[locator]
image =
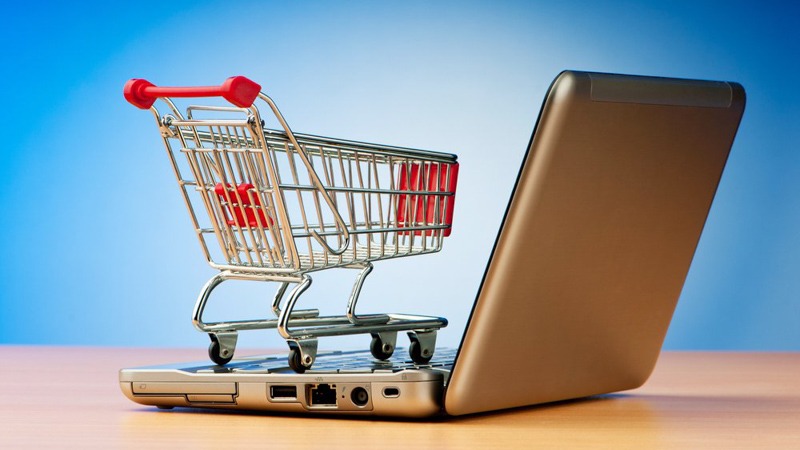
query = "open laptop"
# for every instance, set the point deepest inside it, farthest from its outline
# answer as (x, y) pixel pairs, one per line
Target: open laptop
(581, 285)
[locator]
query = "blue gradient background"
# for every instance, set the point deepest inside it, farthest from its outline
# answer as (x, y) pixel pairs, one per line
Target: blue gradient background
(97, 248)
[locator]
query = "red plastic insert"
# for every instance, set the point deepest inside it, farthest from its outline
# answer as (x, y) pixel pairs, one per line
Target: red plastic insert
(245, 209)
(426, 177)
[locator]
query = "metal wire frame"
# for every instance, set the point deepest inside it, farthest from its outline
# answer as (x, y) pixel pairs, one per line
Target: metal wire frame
(281, 204)
(332, 203)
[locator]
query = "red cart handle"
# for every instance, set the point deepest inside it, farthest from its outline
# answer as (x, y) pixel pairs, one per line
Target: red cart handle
(239, 90)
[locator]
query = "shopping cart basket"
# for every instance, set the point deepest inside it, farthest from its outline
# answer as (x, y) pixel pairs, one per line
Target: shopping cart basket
(279, 205)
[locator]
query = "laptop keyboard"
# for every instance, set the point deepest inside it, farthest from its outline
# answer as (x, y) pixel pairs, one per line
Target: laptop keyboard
(338, 362)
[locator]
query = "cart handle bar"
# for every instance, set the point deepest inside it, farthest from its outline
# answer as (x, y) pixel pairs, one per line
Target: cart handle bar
(240, 91)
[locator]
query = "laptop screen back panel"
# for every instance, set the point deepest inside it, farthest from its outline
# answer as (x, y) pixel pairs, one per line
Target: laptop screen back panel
(597, 241)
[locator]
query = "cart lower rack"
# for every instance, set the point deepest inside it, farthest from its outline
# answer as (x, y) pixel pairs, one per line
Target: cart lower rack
(272, 205)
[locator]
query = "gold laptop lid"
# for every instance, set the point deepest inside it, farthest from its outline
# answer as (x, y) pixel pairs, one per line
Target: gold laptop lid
(597, 239)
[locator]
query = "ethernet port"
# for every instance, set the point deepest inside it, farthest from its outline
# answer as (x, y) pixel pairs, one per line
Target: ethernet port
(321, 394)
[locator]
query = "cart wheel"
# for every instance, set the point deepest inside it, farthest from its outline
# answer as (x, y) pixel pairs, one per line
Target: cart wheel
(213, 353)
(296, 361)
(377, 349)
(415, 351)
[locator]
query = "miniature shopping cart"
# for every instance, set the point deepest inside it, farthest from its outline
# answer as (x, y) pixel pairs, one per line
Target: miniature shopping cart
(273, 205)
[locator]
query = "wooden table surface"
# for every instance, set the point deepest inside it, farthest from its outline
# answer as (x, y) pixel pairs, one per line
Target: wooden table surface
(69, 397)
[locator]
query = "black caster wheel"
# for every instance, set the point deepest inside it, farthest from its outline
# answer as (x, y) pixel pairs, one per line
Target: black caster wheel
(296, 361)
(214, 353)
(415, 351)
(377, 349)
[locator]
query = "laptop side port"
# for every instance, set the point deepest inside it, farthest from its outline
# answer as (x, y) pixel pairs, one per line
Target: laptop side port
(391, 392)
(321, 395)
(359, 396)
(279, 392)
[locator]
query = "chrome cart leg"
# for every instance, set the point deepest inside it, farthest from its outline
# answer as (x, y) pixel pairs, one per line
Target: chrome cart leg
(202, 299)
(302, 353)
(276, 300)
(351, 303)
(383, 344)
(223, 344)
(224, 334)
(286, 313)
(298, 314)
(302, 349)
(422, 346)
(366, 319)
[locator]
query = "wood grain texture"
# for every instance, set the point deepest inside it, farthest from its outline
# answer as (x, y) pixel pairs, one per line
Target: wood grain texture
(68, 397)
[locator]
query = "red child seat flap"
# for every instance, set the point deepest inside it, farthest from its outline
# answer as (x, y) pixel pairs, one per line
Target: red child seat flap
(423, 207)
(235, 212)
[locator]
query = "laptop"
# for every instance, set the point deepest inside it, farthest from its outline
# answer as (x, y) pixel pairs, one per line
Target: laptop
(581, 284)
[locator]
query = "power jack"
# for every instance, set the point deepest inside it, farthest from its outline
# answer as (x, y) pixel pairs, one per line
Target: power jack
(359, 396)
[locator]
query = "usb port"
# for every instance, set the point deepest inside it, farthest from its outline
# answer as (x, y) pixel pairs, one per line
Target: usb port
(283, 392)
